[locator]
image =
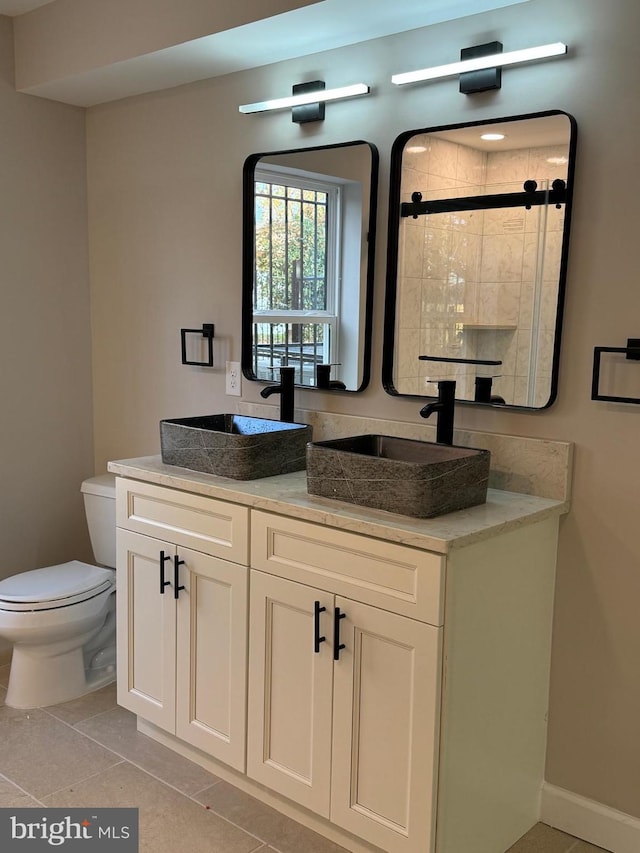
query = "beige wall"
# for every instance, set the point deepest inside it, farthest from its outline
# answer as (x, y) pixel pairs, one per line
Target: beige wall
(46, 446)
(164, 173)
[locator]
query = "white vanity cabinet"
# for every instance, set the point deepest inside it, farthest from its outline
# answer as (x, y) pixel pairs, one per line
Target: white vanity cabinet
(182, 619)
(344, 696)
(353, 739)
(382, 680)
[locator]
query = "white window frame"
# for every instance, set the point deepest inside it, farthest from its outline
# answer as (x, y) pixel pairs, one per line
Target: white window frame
(288, 176)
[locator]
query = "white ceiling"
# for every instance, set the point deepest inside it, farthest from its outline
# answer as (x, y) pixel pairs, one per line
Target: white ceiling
(321, 26)
(529, 133)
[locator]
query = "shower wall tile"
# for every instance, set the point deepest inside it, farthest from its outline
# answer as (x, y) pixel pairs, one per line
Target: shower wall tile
(548, 163)
(432, 340)
(502, 256)
(499, 303)
(413, 180)
(411, 249)
(409, 303)
(549, 306)
(470, 166)
(443, 158)
(465, 252)
(523, 353)
(504, 221)
(505, 166)
(552, 256)
(529, 258)
(407, 353)
(436, 253)
(525, 313)
(441, 187)
(545, 351)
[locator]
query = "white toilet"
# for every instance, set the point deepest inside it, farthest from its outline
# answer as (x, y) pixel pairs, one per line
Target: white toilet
(61, 619)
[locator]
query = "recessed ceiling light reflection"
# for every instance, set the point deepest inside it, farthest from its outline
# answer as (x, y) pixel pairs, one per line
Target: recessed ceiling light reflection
(415, 149)
(492, 137)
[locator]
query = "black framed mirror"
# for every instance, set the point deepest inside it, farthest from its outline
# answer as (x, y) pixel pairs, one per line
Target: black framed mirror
(309, 227)
(476, 268)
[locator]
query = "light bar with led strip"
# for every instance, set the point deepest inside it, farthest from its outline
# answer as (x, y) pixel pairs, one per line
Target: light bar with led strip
(496, 60)
(307, 98)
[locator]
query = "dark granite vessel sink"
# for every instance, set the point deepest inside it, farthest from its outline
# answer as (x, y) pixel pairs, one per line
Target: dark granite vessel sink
(236, 446)
(416, 478)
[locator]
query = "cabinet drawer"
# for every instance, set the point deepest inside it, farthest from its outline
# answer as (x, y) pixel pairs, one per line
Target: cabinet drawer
(394, 577)
(194, 521)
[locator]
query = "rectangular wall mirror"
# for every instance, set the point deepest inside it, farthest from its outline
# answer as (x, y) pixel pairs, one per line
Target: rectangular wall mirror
(478, 244)
(308, 252)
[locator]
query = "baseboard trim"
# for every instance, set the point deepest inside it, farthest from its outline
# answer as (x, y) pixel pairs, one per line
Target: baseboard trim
(587, 819)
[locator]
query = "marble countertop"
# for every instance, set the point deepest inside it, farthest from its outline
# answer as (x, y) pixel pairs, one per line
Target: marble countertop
(286, 494)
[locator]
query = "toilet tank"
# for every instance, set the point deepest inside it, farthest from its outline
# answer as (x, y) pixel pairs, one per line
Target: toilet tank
(100, 507)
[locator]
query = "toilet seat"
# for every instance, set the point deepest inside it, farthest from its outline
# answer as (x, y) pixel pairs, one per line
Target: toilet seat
(54, 587)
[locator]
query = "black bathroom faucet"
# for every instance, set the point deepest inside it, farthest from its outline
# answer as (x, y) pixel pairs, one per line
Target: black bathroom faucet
(285, 389)
(445, 408)
(483, 391)
(324, 381)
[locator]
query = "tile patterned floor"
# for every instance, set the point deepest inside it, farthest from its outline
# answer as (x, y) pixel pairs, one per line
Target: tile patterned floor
(88, 752)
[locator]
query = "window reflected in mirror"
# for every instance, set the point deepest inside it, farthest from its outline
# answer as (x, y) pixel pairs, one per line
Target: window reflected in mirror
(297, 237)
(309, 230)
(477, 261)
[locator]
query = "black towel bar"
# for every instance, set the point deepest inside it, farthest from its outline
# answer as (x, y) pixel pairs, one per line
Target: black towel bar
(632, 353)
(207, 332)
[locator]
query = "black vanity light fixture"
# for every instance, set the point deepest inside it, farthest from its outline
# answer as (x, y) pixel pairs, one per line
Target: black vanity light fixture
(307, 100)
(480, 67)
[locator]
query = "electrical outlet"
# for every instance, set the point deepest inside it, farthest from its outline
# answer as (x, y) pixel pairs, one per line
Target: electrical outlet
(233, 380)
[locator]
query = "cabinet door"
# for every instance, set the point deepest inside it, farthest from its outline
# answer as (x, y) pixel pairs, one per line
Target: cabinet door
(290, 690)
(212, 656)
(146, 629)
(385, 728)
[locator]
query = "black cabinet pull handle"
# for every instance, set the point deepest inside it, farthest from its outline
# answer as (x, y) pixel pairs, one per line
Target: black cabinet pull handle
(177, 562)
(317, 639)
(337, 645)
(163, 582)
